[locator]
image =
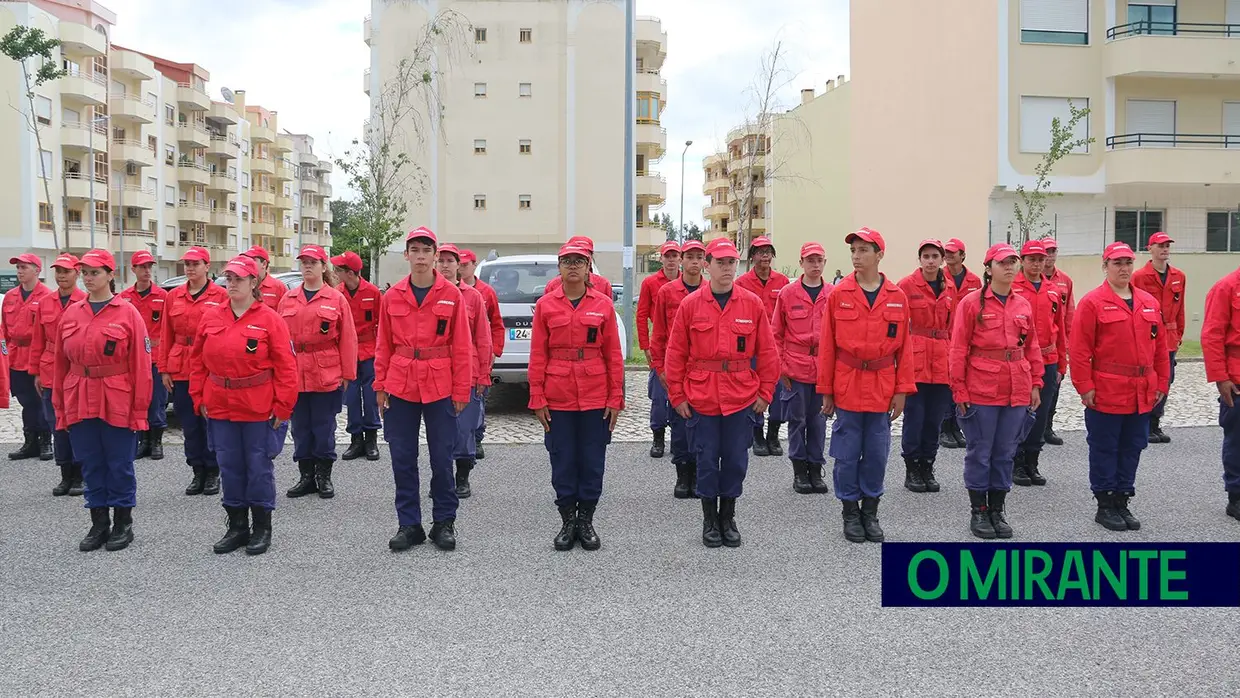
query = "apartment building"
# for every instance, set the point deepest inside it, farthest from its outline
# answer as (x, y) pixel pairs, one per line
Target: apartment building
(530, 147)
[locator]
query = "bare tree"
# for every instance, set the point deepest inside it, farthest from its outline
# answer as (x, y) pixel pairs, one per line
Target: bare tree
(1029, 213)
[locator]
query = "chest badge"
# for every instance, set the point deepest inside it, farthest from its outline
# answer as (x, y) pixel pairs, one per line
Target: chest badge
(251, 345)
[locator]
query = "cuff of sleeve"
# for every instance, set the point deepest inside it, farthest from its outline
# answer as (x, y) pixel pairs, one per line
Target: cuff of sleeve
(462, 397)
(960, 397)
(907, 388)
(1084, 386)
(537, 402)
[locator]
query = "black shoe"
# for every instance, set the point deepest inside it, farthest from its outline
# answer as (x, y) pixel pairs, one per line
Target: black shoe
(157, 443)
(1120, 502)
(772, 440)
(406, 537)
(306, 484)
(854, 532)
(912, 475)
(815, 479)
(692, 466)
(980, 523)
(122, 529)
(800, 478)
(211, 480)
(1233, 505)
(479, 454)
(356, 449)
(1107, 515)
(958, 435)
(997, 502)
(260, 536)
(45, 445)
(76, 486)
(585, 526)
(463, 466)
(195, 485)
(1031, 467)
(660, 440)
(869, 520)
(238, 531)
(759, 443)
(727, 522)
(567, 536)
(947, 439)
(144, 445)
(370, 440)
(443, 534)
(1020, 476)
(29, 447)
(1051, 437)
(712, 537)
(323, 479)
(1156, 433)
(927, 475)
(66, 477)
(684, 475)
(99, 528)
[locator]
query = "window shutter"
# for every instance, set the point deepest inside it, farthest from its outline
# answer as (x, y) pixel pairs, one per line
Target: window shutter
(1231, 123)
(1150, 117)
(1054, 15)
(1233, 11)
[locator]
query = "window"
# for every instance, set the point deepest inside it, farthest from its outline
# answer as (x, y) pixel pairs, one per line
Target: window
(245, 147)
(152, 143)
(170, 155)
(170, 232)
(1152, 17)
(523, 202)
(1231, 117)
(480, 147)
(480, 89)
(480, 35)
(1036, 114)
(170, 115)
(524, 89)
(647, 108)
(245, 213)
(245, 180)
(170, 196)
(48, 164)
(480, 202)
(524, 147)
(45, 216)
(152, 98)
(1134, 228)
(1054, 21)
(1223, 231)
(43, 110)
(527, 36)
(152, 185)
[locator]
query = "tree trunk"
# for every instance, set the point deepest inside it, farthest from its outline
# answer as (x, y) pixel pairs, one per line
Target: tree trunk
(38, 139)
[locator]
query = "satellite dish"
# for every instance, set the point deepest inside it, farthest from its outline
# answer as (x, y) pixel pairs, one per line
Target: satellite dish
(227, 93)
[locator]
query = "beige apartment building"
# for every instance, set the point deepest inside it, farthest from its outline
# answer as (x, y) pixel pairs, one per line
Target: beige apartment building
(735, 182)
(530, 147)
(140, 157)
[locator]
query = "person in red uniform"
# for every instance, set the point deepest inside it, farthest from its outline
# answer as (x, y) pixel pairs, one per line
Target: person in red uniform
(666, 303)
(669, 254)
(43, 366)
(930, 301)
(715, 384)
(464, 452)
(995, 369)
(469, 277)
(865, 371)
(576, 392)
(363, 299)
(423, 371)
(1061, 280)
(270, 288)
(596, 280)
(325, 342)
(766, 283)
(1167, 285)
(244, 381)
(185, 306)
(1050, 315)
(963, 282)
(102, 389)
(797, 324)
(21, 305)
(150, 300)
(1220, 346)
(1121, 368)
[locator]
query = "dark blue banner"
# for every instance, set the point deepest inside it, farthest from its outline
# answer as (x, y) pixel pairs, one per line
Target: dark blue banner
(1061, 574)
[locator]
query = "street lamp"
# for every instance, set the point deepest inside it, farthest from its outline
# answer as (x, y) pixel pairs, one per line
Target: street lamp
(680, 234)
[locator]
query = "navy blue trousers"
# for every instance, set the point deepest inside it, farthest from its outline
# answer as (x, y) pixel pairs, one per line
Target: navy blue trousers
(682, 446)
(577, 445)
(466, 446)
(992, 433)
(807, 425)
(107, 454)
(1115, 445)
(481, 430)
(1162, 404)
(62, 448)
(1229, 419)
(22, 385)
(923, 416)
(246, 452)
(1036, 439)
(360, 399)
(860, 444)
(157, 415)
(198, 451)
(721, 444)
(660, 408)
(314, 425)
(402, 423)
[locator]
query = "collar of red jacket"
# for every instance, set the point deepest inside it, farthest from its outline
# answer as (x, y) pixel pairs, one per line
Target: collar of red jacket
(406, 286)
(849, 284)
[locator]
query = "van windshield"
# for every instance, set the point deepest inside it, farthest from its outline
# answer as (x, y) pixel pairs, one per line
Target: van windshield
(519, 282)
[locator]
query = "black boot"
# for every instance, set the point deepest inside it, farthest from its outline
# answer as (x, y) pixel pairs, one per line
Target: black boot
(1051, 437)
(927, 475)
(1107, 514)
(443, 534)
(815, 479)
(947, 439)
(122, 529)
(1156, 433)
(238, 531)
(957, 434)
(980, 523)
(912, 475)
(772, 439)
(712, 537)
(211, 480)
(76, 487)
(800, 478)
(406, 537)
(1031, 467)
(854, 532)
(195, 485)
(727, 522)
(1120, 502)
(759, 443)
(45, 445)
(463, 466)
(323, 479)
(99, 528)
(693, 479)
(157, 443)
(869, 520)
(260, 536)
(682, 489)
(356, 449)
(998, 499)
(306, 484)
(660, 439)
(479, 454)
(144, 445)
(371, 440)
(1020, 476)
(29, 447)
(66, 477)
(567, 536)
(585, 526)
(1233, 505)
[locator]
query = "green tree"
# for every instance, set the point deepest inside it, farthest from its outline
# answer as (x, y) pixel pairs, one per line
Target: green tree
(344, 235)
(1029, 213)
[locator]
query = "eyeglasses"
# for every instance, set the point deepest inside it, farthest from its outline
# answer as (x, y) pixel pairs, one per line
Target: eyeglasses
(575, 262)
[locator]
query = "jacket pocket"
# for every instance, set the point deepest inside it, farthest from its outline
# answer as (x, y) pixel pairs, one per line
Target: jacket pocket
(985, 378)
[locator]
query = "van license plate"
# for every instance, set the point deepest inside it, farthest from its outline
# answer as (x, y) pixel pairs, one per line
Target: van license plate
(519, 333)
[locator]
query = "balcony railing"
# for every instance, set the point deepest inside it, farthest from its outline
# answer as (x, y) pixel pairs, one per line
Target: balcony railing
(97, 78)
(1172, 140)
(1149, 28)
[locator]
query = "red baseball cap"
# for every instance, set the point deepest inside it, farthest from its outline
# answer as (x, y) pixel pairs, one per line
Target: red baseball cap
(761, 241)
(669, 246)
(1032, 247)
(196, 253)
(313, 252)
(141, 257)
(348, 260)
(98, 258)
(1049, 243)
(868, 236)
(1118, 250)
(582, 241)
(242, 265)
(468, 256)
(1159, 238)
(66, 261)
(27, 258)
(954, 245)
(257, 252)
(722, 248)
(999, 251)
(569, 248)
(451, 249)
(810, 248)
(932, 242)
(422, 233)
(692, 245)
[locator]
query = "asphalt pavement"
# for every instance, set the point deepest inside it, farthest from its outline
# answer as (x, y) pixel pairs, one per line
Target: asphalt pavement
(794, 611)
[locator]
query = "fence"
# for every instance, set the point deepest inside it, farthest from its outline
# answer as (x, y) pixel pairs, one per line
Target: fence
(1087, 229)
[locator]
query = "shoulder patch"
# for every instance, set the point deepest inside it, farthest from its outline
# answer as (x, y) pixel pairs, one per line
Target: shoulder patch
(4, 347)
(148, 344)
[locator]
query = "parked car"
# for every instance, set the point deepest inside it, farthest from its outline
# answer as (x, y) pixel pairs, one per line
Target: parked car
(288, 278)
(519, 282)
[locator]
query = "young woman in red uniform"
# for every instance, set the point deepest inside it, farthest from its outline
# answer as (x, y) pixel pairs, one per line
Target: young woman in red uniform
(1220, 347)
(1121, 368)
(185, 306)
(359, 398)
(669, 254)
(995, 367)
(963, 283)
(43, 367)
(469, 265)
(102, 390)
(244, 380)
(766, 283)
(1050, 311)
(596, 281)
(1167, 285)
(1063, 282)
(18, 319)
(325, 342)
(150, 300)
(576, 392)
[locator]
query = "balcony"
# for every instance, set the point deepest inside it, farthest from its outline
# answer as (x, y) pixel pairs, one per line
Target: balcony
(284, 203)
(127, 150)
(281, 261)
(366, 81)
(284, 171)
(367, 31)
(266, 228)
(1145, 158)
(716, 211)
(651, 234)
(132, 239)
(325, 189)
(325, 166)
(651, 139)
(133, 195)
(1173, 49)
(261, 164)
(80, 186)
(311, 213)
(649, 30)
(285, 232)
(84, 87)
(265, 197)
(651, 189)
(224, 146)
(193, 212)
(191, 98)
(132, 65)
(224, 113)
(749, 161)
(223, 218)
(650, 81)
(81, 39)
(132, 107)
(80, 237)
(310, 185)
(79, 136)
(283, 144)
(193, 135)
(325, 213)
(223, 182)
(757, 225)
(261, 134)
(307, 159)
(193, 173)
(710, 186)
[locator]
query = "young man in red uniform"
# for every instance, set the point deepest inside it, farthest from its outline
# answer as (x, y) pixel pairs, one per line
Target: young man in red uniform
(363, 298)
(766, 283)
(865, 371)
(1167, 285)
(150, 300)
(423, 371)
(722, 367)
(669, 253)
(1220, 345)
(1061, 280)
(469, 268)
(21, 305)
(1050, 312)
(43, 364)
(963, 282)
(270, 288)
(796, 325)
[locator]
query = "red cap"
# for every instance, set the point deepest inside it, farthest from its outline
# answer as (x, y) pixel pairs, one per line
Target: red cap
(1032, 247)
(141, 257)
(761, 241)
(810, 248)
(669, 246)
(66, 261)
(27, 258)
(692, 245)
(999, 251)
(1117, 250)
(868, 236)
(722, 248)
(570, 248)
(242, 265)
(449, 247)
(582, 241)
(932, 243)
(313, 252)
(348, 260)
(98, 258)
(1049, 243)
(468, 256)
(257, 252)
(954, 245)
(422, 232)
(1159, 238)
(196, 253)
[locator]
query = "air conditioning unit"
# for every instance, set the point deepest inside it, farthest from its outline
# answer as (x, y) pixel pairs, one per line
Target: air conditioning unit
(133, 212)
(131, 169)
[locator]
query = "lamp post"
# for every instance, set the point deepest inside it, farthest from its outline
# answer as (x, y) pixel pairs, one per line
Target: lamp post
(680, 234)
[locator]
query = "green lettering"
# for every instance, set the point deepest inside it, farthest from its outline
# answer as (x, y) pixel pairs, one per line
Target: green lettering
(1037, 576)
(1167, 575)
(1015, 566)
(1102, 568)
(1143, 558)
(1072, 576)
(944, 575)
(970, 577)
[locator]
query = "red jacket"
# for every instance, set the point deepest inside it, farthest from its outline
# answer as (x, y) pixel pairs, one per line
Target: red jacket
(243, 369)
(1049, 318)
(768, 292)
(710, 349)
(797, 325)
(854, 332)
(930, 323)
(666, 303)
(1170, 297)
(151, 307)
(423, 351)
(972, 282)
(272, 291)
(102, 366)
(181, 326)
(597, 281)
(496, 320)
(364, 306)
(4, 370)
(42, 353)
(18, 317)
(651, 285)
(575, 359)
(1220, 330)
(994, 356)
(323, 338)
(1064, 283)
(1120, 353)
(480, 334)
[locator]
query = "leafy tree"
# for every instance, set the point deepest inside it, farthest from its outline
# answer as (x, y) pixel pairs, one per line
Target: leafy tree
(1029, 213)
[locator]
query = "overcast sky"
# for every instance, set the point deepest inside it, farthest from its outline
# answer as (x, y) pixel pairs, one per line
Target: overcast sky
(305, 58)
